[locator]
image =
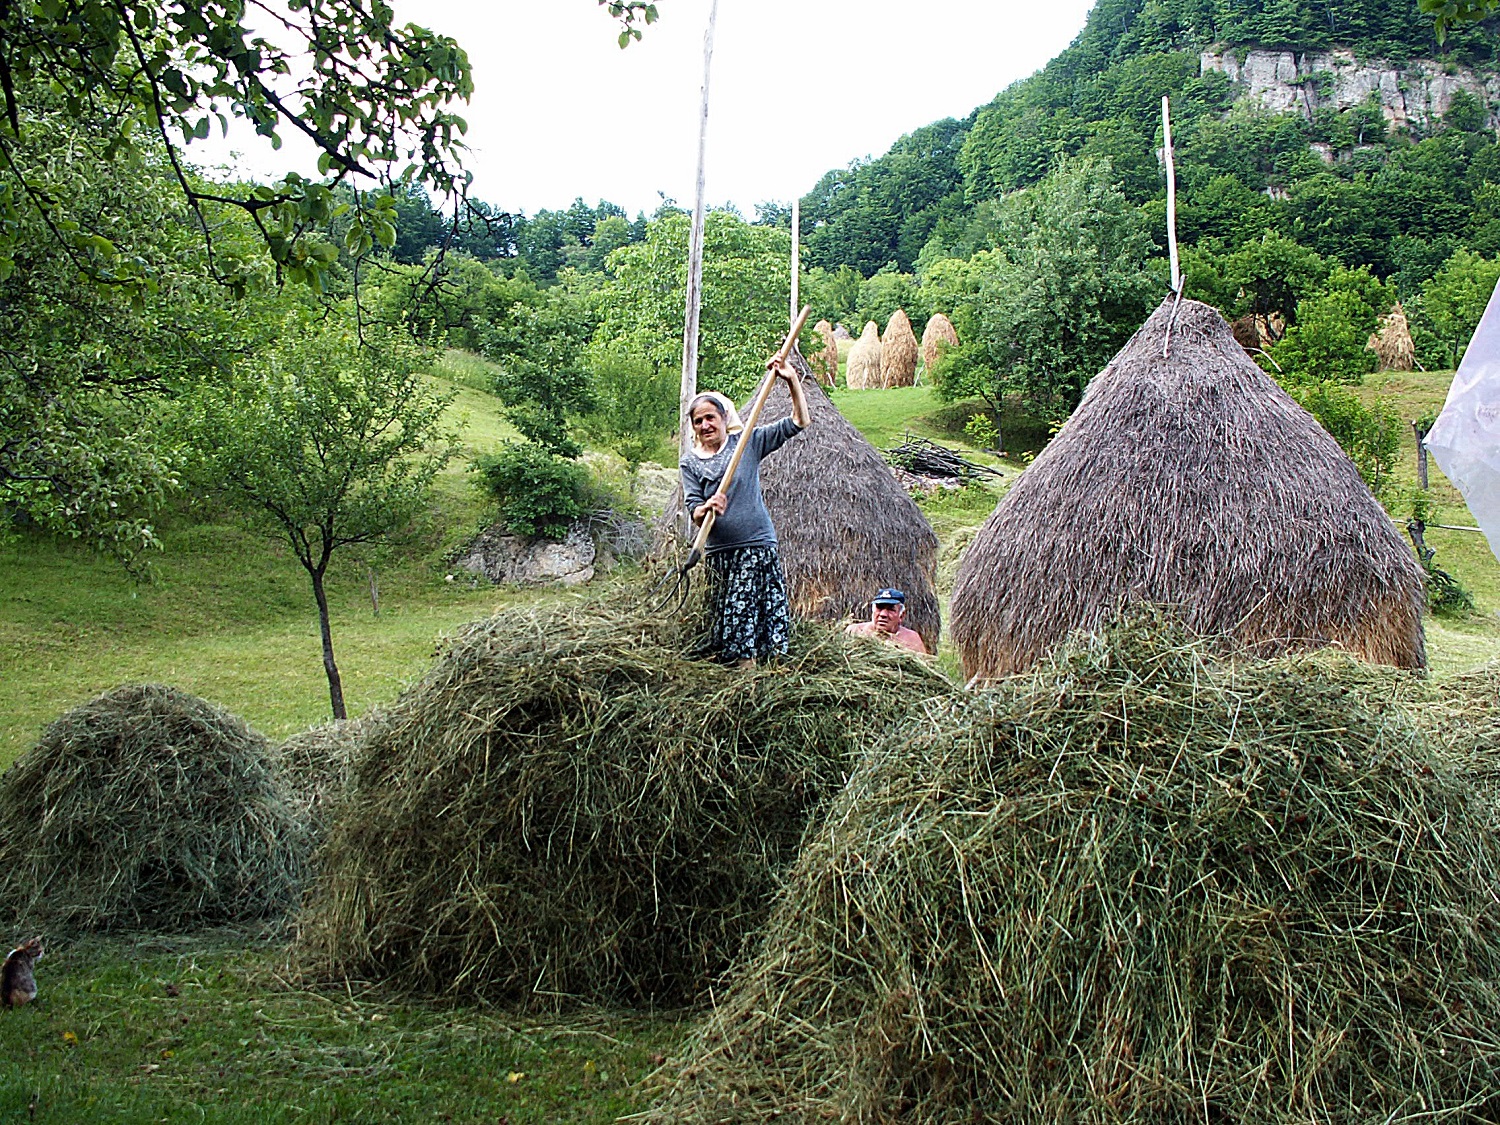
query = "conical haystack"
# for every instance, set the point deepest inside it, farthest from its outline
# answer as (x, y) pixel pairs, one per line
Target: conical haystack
(898, 352)
(1191, 480)
(862, 371)
(148, 808)
(825, 361)
(846, 526)
(567, 808)
(1393, 345)
(939, 331)
(1132, 888)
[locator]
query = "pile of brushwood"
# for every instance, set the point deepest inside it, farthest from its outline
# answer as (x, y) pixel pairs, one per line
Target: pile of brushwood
(567, 808)
(147, 808)
(1135, 885)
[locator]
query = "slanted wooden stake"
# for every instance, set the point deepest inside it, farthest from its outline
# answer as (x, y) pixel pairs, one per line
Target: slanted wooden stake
(695, 255)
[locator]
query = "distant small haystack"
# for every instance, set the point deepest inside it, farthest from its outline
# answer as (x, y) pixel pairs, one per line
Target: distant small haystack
(939, 332)
(1194, 481)
(862, 372)
(1255, 332)
(846, 526)
(825, 361)
(568, 809)
(898, 352)
(147, 807)
(1392, 345)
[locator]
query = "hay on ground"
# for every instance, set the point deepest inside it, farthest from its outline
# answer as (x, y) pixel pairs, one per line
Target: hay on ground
(825, 361)
(315, 766)
(845, 524)
(1194, 481)
(898, 352)
(147, 807)
(1131, 887)
(1392, 344)
(567, 809)
(938, 335)
(862, 371)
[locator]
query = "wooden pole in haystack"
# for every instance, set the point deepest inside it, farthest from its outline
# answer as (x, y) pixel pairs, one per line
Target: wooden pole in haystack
(1166, 130)
(695, 253)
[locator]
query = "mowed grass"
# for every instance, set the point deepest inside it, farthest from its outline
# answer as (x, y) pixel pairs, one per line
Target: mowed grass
(208, 1028)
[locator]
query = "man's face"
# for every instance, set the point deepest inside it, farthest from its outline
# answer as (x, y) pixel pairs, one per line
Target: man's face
(887, 616)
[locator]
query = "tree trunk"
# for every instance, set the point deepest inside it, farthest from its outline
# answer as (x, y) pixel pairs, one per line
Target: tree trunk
(1421, 455)
(335, 686)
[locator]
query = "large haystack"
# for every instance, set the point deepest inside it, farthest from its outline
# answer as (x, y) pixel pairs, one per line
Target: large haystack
(147, 807)
(862, 371)
(938, 334)
(1134, 887)
(1191, 480)
(845, 524)
(567, 808)
(898, 352)
(825, 361)
(1393, 345)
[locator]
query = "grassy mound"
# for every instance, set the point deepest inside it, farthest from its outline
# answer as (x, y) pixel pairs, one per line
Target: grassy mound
(1133, 886)
(147, 807)
(565, 808)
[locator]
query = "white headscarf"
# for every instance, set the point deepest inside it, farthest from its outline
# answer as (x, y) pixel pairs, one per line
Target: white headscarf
(732, 423)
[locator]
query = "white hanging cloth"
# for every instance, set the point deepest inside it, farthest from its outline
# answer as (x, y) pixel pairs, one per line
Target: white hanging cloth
(1465, 440)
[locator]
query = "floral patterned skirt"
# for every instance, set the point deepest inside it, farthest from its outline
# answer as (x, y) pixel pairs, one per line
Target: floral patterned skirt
(748, 613)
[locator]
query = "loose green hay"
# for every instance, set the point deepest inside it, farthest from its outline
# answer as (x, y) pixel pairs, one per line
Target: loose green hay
(315, 767)
(1131, 886)
(147, 808)
(566, 808)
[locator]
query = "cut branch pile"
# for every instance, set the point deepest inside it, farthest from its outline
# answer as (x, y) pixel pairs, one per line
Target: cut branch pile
(929, 459)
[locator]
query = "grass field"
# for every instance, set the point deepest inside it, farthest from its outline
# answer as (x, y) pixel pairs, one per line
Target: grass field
(212, 1027)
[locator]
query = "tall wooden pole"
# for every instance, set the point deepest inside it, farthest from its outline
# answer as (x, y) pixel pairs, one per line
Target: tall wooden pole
(695, 254)
(796, 255)
(1166, 130)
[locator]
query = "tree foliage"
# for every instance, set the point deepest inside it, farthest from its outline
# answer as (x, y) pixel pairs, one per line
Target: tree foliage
(329, 441)
(744, 312)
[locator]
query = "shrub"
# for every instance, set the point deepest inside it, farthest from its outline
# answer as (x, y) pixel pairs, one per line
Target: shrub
(1371, 436)
(539, 493)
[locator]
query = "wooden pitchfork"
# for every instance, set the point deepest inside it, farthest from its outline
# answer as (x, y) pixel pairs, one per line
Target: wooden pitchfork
(682, 581)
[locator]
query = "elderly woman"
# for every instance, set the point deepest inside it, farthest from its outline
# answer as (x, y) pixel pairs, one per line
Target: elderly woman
(749, 616)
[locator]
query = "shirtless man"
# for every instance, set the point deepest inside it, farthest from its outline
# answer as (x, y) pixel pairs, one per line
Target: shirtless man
(887, 614)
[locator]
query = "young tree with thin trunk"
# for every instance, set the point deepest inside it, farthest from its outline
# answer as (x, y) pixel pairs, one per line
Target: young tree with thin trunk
(329, 443)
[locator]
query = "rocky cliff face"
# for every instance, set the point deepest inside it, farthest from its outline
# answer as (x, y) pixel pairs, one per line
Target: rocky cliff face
(1414, 94)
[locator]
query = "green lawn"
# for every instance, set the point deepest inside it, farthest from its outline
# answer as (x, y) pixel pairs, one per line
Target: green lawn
(207, 1028)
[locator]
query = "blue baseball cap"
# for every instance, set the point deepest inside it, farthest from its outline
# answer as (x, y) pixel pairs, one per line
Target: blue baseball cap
(889, 596)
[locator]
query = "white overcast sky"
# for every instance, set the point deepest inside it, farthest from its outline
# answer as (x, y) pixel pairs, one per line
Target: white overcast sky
(798, 87)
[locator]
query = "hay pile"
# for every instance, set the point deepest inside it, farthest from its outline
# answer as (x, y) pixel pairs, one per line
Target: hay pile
(147, 807)
(898, 352)
(862, 372)
(315, 766)
(1393, 345)
(1189, 479)
(938, 334)
(1133, 886)
(565, 808)
(825, 361)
